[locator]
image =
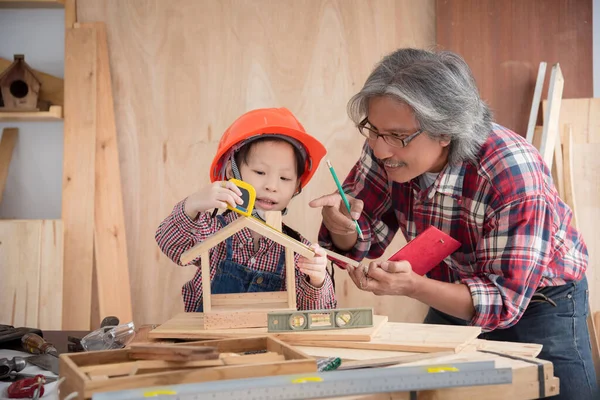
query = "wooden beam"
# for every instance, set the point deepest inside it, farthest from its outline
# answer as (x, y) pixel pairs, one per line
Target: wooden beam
(210, 242)
(52, 89)
(32, 3)
(558, 174)
(31, 264)
(535, 103)
(206, 291)
(274, 220)
(245, 299)
(70, 13)
(278, 237)
(550, 131)
(54, 114)
(342, 258)
(78, 175)
(9, 139)
(290, 278)
(110, 241)
(569, 187)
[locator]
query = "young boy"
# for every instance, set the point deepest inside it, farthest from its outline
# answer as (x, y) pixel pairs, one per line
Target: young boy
(269, 149)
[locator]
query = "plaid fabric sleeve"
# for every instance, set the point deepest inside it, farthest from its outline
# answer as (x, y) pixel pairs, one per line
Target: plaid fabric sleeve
(309, 297)
(368, 182)
(178, 232)
(511, 258)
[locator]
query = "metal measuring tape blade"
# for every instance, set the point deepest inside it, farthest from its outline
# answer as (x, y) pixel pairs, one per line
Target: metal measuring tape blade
(328, 384)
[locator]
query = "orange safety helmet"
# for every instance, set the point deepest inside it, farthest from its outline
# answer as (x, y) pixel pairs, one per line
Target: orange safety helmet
(279, 122)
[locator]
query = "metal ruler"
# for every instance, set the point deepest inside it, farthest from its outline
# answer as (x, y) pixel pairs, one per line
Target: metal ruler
(328, 384)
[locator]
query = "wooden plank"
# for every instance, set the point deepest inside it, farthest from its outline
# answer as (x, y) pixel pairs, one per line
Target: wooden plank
(51, 275)
(210, 242)
(20, 283)
(30, 288)
(509, 348)
(535, 103)
(133, 367)
(110, 240)
(558, 173)
(340, 257)
(583, 117)
(274, 219)
(569, 179)
(78, 175)
(52, 115)
(32, 3)
(248, 298)
(551, 129)
(353, 354)
(260, 358)
(7, 145)
(384, 362)
(52, 88)
(206, 290)
(290, 278)
(278, 237)
(246, 318)
(418, 338)
(70, 13)
(189, 326)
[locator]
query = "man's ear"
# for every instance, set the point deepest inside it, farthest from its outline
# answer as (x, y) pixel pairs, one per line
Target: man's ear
(445, 141)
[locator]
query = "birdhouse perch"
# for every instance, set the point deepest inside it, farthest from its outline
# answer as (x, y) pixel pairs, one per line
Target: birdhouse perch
(19, 87)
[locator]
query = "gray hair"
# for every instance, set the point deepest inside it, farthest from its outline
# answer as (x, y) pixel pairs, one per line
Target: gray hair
(442, 92)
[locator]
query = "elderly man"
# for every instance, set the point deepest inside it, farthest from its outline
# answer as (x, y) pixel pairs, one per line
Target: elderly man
(433, 156)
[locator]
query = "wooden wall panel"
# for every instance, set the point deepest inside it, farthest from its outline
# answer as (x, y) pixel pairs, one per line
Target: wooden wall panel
(583, 116)
(504, 42)
(31, 264)
(183, 70)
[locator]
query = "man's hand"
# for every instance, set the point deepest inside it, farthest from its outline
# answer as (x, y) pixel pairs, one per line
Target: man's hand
(335, 215)
(395, 278)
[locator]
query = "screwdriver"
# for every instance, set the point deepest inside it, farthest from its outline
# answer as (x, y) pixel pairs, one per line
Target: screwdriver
(35, 344)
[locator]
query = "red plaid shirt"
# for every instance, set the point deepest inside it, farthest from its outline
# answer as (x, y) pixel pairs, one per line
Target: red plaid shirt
(515, 231)
(178, 233)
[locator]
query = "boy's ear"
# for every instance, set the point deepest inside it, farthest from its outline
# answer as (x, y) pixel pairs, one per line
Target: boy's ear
(228, 170)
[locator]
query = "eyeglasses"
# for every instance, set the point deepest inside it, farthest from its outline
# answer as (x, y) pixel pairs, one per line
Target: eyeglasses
(393, 140)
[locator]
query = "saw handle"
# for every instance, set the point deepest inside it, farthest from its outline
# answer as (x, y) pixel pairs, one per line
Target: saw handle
(35, 344)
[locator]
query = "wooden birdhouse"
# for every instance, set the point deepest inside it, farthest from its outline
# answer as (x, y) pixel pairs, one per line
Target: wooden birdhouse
(19, 87)
(247, 310)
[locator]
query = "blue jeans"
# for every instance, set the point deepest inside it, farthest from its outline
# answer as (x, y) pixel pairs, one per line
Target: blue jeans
(562, 330)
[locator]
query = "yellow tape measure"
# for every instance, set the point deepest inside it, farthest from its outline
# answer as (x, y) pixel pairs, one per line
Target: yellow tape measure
(248, 196)
(440, 369)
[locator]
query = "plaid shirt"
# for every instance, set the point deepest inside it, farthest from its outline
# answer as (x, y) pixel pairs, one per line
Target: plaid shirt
(515, 232)
(178, 233)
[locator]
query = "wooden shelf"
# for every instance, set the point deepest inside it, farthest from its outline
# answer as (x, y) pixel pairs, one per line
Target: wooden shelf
(54, 114)
(32, 3)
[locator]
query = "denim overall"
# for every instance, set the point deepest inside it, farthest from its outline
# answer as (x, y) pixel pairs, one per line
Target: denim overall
(556, 319)
(232, 277)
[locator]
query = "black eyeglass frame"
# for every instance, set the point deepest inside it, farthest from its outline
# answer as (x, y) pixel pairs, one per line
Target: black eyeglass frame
(389, 138)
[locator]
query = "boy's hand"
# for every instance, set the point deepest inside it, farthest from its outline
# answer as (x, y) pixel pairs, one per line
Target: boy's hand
(314, 268)
(217, 195)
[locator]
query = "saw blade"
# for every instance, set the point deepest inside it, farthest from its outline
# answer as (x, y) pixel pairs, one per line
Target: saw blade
(44, 361)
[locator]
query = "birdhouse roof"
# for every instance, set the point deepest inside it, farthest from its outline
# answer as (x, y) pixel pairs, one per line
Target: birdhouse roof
(19, 62)
(254, 225)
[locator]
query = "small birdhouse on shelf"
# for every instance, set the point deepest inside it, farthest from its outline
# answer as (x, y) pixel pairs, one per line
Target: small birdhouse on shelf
(19, 87)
